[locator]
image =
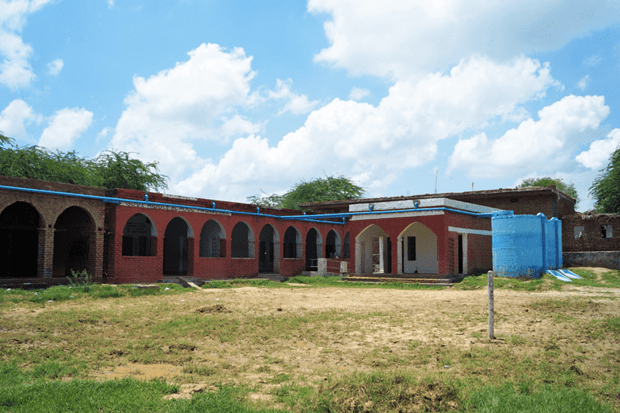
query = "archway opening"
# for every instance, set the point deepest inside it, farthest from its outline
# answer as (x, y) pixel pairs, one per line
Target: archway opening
(19, 241)
(175, 247)
(137, 236)
(314, 249)
(332, 245)
(242, 241)
(72, 242)
(212, 240)
(292, 243)
(418, 250)
(373, 252)
(268, 253)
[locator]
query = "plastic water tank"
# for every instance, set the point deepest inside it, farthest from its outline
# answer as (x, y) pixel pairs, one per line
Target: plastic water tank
(517, 245)
(550, 238)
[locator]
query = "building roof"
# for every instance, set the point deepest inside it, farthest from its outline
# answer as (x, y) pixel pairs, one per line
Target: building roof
(536, 190)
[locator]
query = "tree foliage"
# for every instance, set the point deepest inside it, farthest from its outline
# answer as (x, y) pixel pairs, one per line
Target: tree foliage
(330, 188)
(606, 186)
(109, 170)
(559, 183)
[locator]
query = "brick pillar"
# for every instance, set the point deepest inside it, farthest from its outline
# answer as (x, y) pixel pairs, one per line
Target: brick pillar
(190, 256)
(45, 265)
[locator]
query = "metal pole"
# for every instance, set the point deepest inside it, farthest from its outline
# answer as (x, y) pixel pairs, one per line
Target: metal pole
(491, 306)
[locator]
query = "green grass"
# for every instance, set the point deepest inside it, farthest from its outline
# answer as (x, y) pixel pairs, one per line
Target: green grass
(65, 293)
(506, 399)
(609, 279)
(28, 392)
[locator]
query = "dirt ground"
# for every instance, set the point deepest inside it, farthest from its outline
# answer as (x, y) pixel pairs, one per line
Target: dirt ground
(269, 337)
(391, 322)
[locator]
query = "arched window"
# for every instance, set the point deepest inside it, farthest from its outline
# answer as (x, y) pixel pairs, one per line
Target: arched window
(137, 236)
(242, 241)
(332, 245)
(212, 240)
(346, 249)
(292, 243)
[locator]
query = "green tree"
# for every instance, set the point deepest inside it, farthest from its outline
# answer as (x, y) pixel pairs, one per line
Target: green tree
(606, 187)
(109, 170)
(568, 189)
(330, 188)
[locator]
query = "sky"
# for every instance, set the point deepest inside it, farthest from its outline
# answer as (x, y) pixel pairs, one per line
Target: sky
(239, 98)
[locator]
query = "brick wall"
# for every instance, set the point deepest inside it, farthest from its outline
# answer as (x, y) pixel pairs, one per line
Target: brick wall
(591, 239)
(50, 207)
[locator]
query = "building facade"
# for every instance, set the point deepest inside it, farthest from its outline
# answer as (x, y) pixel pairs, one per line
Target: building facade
(48, 230)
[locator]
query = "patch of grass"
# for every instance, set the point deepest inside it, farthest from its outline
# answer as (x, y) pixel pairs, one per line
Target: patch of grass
(506, 399)
(477, 282)
(27, 392)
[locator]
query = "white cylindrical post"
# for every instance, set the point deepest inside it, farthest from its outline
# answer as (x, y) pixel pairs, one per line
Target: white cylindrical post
(491, 306)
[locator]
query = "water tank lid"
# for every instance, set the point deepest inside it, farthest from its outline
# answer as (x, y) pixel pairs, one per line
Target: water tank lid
(502, 213)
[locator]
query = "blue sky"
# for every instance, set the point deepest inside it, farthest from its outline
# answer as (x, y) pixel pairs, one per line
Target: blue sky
(235, 97)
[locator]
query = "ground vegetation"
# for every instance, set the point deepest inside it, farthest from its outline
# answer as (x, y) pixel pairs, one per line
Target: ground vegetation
(314, 344)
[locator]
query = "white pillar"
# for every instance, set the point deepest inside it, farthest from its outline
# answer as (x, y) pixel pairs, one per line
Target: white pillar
(381, 258)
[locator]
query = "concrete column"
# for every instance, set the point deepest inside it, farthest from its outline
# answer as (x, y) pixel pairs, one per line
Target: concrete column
(322, 265)
(399, 252)
(381, 256)
(359, 257)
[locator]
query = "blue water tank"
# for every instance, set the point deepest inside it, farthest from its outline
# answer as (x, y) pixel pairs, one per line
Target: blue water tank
(550, 238)
(517, 245)
(558, 237)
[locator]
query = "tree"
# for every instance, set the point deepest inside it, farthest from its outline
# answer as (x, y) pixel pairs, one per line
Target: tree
(109, 170)
(568, 189)
(330, 188)
(606, 186)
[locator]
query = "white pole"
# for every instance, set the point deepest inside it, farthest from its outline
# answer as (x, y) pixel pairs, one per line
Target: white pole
(491, 306)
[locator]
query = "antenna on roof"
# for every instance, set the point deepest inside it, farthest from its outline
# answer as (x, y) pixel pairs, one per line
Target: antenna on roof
(472, 187)
(436, 170)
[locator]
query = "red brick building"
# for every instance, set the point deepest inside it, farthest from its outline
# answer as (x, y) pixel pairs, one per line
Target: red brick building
(49, 229)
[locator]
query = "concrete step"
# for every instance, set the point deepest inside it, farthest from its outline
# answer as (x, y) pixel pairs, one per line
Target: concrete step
(447, 282)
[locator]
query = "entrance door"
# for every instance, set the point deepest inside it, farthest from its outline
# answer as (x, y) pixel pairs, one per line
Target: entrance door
(266, 250)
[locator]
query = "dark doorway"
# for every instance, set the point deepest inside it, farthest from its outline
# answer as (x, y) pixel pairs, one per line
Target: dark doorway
(72, 242)
(137, 236)
(175, 247)
(460, 254)
(212, 240)
(312, 250)
(19, 241)
(266, 249)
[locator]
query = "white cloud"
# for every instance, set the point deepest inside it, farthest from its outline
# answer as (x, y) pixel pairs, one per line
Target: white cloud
(14, 118)
(397, 38)
(598, 155)
(538, 144)
(195, 100)
(375, 143)
(592, 61)
(583, 83)
(55, 67)
(110, 4)
(65, 127)
(15, 71)
(296, 104)
(358, 93)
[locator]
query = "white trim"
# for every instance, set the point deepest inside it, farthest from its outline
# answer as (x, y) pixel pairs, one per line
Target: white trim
(395, 215)
(451, 203)
(171, 208)
(470, 231)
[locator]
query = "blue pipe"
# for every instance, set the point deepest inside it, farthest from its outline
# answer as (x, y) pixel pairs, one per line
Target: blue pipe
(147, 202)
